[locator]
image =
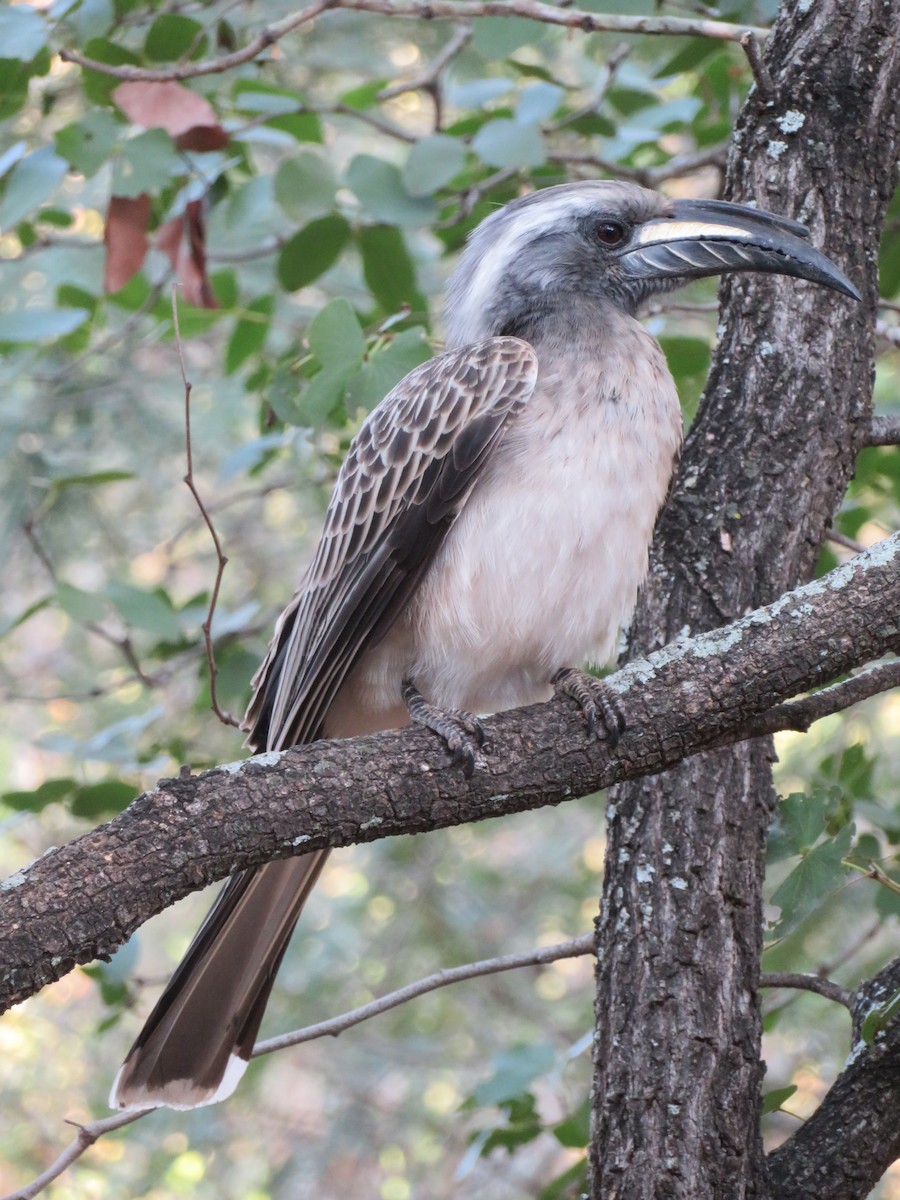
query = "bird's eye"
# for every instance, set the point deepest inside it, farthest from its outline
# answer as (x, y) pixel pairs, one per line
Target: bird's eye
(610, 233)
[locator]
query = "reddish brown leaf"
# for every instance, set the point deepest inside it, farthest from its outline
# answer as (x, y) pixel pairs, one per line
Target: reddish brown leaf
(183, 241)
(202, 137)
(125, 236)
(184, 115)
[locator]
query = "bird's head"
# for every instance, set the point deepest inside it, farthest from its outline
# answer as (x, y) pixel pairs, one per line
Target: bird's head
(605, 242)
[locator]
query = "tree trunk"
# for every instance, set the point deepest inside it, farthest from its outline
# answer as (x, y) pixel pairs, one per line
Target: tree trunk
(677, 1059)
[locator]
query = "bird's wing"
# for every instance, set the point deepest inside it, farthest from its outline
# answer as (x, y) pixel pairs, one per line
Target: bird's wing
(406, 476)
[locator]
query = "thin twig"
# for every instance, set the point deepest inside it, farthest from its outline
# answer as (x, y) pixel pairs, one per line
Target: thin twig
(85, 1138)
(681, 164)
(121, 643)
(885, 431)
(808, 983)
(429, 80)
(489, 966)
(841, 539)
(221, 561)
(428, 10)
(764, 85)
(608, 74)
(88, 1134)
(268, 37)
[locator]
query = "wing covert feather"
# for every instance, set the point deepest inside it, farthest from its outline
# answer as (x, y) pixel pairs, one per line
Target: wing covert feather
(407, 474)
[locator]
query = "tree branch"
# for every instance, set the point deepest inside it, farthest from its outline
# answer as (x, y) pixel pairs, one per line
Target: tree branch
(90, 1133)
(448, 10)
(85, 899)
(885, 431)
(844, 1147)
(808, 983)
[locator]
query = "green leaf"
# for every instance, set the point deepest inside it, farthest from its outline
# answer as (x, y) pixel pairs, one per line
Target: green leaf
(171, 36)
(32, 180)
(386, 366)
(22, 32)
(102, 799)
(686, 356)
(147, 163)
(281, 396)
(80, 605)
(254, 95)
(773, 1100)
(49, 792)
(249, 333)
(311, 251)
(151, 611)
(801, 820)
(433, 162)
(379, 187)
(572, 1182)
(305, 186)
(88, 143)
(498, 37)
(365, 96)
(574, 1131)
(538, 102)
(93, 18)
(36, 324)
(818, 874)
(506, 143)
(335, 336)
(93, 479)
(324, 394)
(388, 268)
(514, 1070)
(690, 55)
(98, 88)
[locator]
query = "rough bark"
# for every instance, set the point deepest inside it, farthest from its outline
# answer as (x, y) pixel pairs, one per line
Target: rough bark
(677, 1062)
(842, 1150)
(86, 898)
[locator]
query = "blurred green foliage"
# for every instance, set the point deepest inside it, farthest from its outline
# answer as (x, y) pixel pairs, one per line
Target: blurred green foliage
(331, 213)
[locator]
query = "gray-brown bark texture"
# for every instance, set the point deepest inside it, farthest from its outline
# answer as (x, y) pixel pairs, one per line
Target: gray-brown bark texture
(85, 899)
(677, 1060)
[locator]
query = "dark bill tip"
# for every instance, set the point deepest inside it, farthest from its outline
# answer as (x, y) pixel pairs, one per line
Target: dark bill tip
(712, 237)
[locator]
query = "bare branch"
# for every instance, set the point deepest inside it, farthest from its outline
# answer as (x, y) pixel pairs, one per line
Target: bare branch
(269, 36)
(808, 983)
(764, 85)
(440, 979)
(85, 899)
(681, 164)
(221, 560)
(800, 714)
(841, 539)
(89, 1134)
(885, 431)
(429, 80)
(450, 10)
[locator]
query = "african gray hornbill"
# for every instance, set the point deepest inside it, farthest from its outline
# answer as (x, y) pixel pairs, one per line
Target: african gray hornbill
(487, 535)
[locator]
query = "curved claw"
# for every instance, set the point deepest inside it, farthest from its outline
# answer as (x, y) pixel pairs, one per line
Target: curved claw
(462, 732)
(599, 703)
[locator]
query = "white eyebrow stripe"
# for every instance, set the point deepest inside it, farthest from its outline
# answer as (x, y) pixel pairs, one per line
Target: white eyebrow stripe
(668, 230)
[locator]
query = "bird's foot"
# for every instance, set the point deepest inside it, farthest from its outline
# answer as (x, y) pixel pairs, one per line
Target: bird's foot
(463, 732)
(597, 701)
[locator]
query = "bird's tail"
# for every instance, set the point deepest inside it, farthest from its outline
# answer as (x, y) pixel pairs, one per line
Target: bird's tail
(196, 1043)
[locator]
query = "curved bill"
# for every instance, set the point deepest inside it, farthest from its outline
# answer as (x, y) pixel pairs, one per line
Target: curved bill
(712, 237)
